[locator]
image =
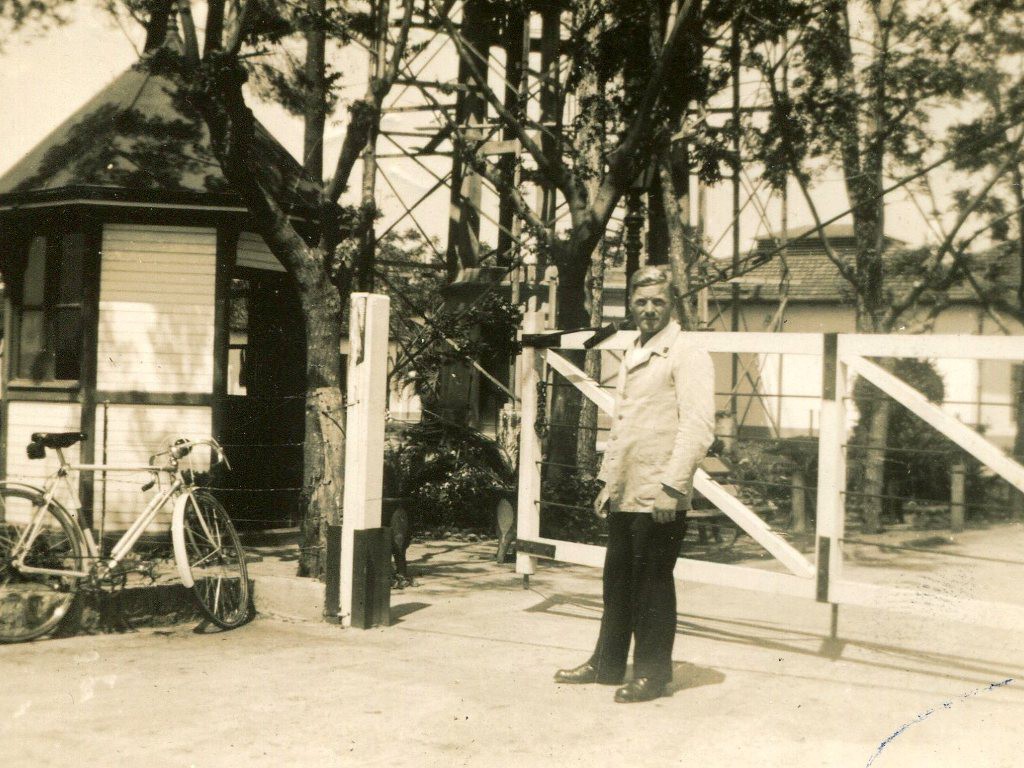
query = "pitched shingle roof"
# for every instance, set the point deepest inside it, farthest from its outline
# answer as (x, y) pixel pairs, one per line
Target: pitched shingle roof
(140, 140)
(813, 277)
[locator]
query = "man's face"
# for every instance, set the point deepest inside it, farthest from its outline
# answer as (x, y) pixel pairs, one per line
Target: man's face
(651, 308)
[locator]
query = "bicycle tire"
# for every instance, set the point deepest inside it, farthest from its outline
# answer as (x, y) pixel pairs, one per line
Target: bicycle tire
(210, 559)
(33, 605)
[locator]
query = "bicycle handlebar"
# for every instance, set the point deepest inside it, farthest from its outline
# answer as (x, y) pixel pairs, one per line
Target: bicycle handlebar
(182, 447)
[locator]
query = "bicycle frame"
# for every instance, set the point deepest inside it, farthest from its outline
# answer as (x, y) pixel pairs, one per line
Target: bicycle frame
(128, 539)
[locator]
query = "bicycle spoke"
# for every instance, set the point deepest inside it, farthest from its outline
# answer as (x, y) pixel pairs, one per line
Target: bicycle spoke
(41, 536)
(216, 561)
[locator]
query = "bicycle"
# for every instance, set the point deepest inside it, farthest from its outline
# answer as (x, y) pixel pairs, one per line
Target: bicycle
(47, 557)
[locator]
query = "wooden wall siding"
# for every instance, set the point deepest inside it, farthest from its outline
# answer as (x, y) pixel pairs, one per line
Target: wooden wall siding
(134, 433)
(24, 418)
(254, 253)
(156, 309)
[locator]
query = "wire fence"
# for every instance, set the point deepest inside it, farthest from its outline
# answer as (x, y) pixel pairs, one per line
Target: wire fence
(776, 478)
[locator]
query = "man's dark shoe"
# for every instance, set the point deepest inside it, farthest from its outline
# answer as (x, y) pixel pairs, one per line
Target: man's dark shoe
(584, 673)
(641, 689)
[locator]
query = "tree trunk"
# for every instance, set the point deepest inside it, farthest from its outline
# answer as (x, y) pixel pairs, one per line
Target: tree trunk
(156, 26)
(1018, 194)
(675, 203)
(566, 400)
(874, 473)
(315, 106)
(862, 172)
(586, 445)
(324, 449)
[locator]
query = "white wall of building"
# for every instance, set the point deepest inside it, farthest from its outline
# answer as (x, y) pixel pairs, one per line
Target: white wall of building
(156, 309)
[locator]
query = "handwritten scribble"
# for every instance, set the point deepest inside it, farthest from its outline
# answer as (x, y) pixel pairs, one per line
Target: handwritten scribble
(929, 712)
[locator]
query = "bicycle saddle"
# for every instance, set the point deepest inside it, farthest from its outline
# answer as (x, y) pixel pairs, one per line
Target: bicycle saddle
(57, 439)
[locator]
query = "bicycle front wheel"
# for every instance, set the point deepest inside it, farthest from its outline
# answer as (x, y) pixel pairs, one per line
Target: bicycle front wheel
(211, 559)
(33, 604)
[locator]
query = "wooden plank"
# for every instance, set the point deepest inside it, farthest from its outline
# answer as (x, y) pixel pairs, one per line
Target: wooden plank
(529, 369)
(157, 230)
(758, 530)
(535, 548)
(166, 296)
(227, 246)
(605, 400)
(364, 422)
(199, 399)
(181, 275)
(735, 576)
(254, 253)
(830, 518)
(371, 584)
(24, 391)
(743, 577)
(90, 331)
(712, 341)
(130, 311)
(951, 427)
(767, 343)
(502, 147)
(933, 346)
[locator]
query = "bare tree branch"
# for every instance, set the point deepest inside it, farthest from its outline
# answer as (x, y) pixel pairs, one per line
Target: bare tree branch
(188, 25)
(910, 298)
(214, 27)
(234, 44)
(622, 162)
(403, 40)
(364, 114)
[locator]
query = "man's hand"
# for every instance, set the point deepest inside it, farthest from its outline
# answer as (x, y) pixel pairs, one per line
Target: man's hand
(601, 504)
(664, 507)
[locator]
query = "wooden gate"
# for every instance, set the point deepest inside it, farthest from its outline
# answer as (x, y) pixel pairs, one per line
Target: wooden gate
(822, 578)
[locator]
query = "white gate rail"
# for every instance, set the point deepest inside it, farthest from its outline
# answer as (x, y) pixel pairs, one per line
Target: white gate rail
(849, 353)
(951, 427)
(823, 579)
(800, 579)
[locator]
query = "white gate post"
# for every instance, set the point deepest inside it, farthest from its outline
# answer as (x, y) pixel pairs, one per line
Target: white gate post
(364, 428)
(831, 514)
(528, 514)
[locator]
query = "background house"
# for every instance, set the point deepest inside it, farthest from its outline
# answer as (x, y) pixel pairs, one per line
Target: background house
(802, 291)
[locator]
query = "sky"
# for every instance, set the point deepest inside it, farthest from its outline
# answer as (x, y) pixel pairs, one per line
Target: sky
(45, 76)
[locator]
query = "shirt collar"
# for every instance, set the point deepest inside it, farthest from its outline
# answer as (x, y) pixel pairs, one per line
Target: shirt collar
(661, 342)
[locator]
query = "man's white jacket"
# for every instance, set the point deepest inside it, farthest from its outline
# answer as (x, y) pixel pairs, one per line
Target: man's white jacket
(663, 423)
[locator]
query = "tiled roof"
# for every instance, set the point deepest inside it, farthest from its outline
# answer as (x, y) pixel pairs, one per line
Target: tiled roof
(813, 277)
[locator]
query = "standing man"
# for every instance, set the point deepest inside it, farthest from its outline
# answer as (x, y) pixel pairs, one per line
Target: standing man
(663, 426)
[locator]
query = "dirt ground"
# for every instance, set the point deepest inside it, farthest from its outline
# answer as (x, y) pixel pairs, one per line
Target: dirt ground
(463, 678)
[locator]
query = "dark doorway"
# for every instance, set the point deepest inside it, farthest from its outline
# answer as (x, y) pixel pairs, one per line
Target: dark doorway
(262, 427)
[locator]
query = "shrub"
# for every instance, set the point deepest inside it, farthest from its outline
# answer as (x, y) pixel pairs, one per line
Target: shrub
(451, 473)
(918, 458)
(574, 519)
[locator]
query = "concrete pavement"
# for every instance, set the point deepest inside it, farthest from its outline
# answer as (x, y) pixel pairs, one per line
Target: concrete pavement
(464, 678)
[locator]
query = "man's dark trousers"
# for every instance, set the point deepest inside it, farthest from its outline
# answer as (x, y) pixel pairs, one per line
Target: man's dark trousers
(639, 597)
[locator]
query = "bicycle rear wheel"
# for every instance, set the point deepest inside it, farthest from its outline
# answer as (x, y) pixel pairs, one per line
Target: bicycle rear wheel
(211, 559)
(31, 604)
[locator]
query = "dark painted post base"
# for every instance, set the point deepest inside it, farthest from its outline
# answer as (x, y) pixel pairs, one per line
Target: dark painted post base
(371, 578)
(332, 586)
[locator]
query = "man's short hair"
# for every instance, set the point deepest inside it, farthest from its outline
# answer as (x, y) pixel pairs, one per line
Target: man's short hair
(650, 275)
